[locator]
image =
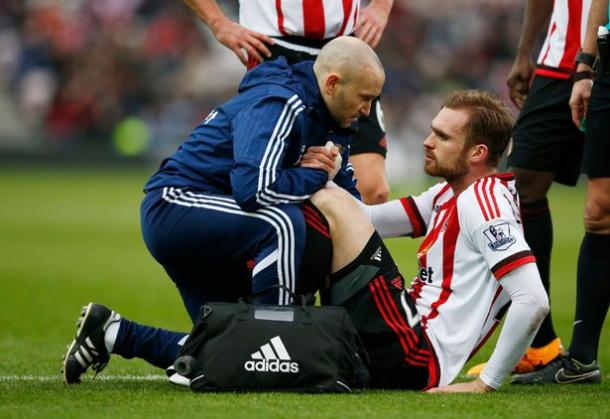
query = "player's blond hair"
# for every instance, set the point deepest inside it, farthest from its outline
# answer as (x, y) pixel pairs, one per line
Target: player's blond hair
(490, 121)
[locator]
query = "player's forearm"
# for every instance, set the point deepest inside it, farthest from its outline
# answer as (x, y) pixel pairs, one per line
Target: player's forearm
(208, 11)
(598, 16)
(537, 12)
(528, 308)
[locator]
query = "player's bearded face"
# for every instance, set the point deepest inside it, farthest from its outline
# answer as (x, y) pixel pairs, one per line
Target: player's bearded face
(450, 167)
(446, 155)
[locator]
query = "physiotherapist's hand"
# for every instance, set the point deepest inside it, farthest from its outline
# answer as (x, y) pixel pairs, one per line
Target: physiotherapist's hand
(338, 159)
(372, 22)
(322, 158)
(518, 80)
(476, 386)
(236, 37)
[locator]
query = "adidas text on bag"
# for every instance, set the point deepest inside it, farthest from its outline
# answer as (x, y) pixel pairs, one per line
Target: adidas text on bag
(272, 357)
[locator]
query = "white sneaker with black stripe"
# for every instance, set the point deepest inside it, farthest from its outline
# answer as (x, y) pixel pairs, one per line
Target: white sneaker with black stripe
(176, 378)
(88, 349)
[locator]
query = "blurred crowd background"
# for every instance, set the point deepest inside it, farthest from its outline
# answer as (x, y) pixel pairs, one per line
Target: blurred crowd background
(132, 77)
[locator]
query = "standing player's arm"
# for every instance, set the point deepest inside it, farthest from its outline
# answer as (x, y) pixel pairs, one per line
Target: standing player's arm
(373, 20)
(581, 91)
(231, 34)
(261, 136)
(537, 12)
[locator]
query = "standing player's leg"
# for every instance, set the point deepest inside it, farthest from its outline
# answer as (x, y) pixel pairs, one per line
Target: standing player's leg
(593, 273)
(533, 187)
(367, 156)
(547, 147)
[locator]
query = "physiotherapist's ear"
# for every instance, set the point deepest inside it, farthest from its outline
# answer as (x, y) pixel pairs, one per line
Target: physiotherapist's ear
(331, 82)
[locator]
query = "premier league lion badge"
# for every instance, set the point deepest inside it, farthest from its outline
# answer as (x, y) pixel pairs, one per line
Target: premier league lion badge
(499, 237)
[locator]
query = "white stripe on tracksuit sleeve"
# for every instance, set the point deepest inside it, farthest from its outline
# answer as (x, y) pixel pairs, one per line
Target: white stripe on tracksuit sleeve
(261, 136)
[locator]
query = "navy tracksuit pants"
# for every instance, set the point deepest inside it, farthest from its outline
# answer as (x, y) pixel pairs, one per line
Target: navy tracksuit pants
(213, 251)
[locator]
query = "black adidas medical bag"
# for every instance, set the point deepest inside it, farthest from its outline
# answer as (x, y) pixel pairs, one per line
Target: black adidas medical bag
(248, 347)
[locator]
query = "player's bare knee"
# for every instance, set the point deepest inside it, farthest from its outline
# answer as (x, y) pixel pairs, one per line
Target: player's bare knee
(597, 214)
(330, 201)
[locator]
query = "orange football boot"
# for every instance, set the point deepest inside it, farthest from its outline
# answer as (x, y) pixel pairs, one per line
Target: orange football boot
(534, 358)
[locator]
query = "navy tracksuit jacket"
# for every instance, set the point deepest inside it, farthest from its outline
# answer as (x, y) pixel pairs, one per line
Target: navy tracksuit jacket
(230, 193)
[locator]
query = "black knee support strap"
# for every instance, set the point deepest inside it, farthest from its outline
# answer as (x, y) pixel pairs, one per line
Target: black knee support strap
(374, 260)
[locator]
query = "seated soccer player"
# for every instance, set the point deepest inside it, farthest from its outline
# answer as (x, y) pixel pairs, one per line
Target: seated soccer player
(472, 261)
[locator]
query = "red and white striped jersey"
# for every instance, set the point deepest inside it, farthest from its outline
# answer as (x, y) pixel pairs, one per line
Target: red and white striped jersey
(315, 19)
(471, 241)
(564, 37)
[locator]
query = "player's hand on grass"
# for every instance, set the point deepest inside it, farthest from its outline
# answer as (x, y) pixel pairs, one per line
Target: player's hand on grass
(237, 38)
(475, 386)
(322, 158)
(579, 100)
(372, 22)
(518, 80)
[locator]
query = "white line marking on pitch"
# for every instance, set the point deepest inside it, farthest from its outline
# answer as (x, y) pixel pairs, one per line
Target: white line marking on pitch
(43, 378)
(125, 378)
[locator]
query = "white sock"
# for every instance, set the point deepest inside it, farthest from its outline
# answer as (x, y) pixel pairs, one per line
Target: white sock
(110, 335)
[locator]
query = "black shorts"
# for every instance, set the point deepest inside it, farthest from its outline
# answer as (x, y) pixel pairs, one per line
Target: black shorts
(544, 138)
(400, 354)
(597, 143)
(370, 137)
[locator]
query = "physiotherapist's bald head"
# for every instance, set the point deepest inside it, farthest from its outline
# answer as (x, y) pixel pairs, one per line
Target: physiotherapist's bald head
(349, 56)
(350, 76)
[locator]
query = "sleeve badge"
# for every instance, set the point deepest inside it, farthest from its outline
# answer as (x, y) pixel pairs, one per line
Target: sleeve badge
(499, 236)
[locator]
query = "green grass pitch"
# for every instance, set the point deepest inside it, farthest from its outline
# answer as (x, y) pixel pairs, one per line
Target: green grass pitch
(68, 237)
